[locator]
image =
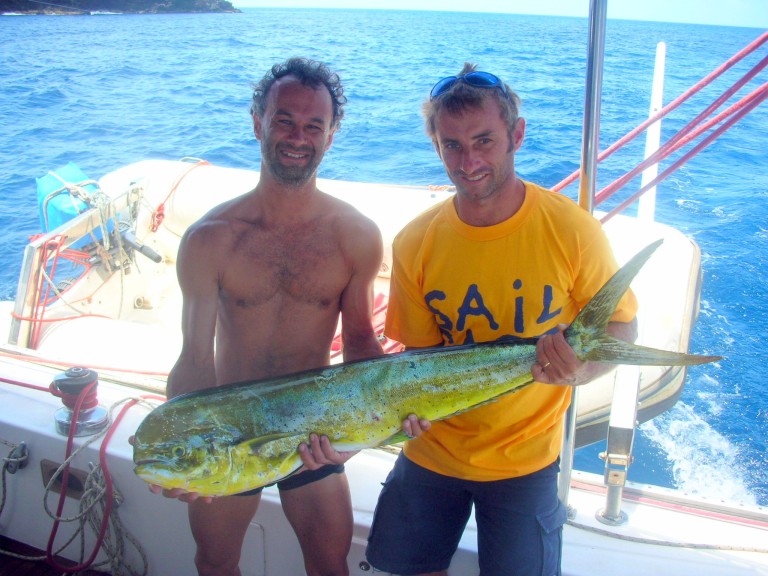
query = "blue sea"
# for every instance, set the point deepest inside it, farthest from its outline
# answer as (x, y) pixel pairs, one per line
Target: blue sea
(103, 91)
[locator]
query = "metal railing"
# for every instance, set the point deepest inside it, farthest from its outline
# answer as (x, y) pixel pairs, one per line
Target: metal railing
(618, 455)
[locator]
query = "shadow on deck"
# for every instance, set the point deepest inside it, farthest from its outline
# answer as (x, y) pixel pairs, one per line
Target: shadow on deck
(12, 566)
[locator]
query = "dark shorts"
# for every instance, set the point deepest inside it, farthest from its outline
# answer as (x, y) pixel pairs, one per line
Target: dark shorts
(301, 479)
(421, 515)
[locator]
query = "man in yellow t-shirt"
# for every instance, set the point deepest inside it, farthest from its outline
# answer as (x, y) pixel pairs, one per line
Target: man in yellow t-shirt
(503, 257)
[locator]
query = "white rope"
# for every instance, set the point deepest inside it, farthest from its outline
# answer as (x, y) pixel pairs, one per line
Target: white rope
(3, 488)
(92, 508)
(91, 511)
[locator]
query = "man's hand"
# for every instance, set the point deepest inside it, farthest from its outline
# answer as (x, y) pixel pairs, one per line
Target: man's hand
(320, 453)
(180, 494)
(413, 426)
(556, 362)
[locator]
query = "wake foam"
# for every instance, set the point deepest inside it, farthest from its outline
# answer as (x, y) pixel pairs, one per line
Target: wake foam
(704, 462)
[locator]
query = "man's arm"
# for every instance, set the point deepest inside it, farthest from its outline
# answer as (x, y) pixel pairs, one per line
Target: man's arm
(198, 280)
(363, 246)
(195, 368)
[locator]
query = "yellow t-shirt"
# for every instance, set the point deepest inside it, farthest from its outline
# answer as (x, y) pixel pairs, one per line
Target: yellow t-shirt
(455, 284)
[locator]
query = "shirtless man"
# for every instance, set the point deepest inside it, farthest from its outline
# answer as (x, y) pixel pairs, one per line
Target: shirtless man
(264, 278)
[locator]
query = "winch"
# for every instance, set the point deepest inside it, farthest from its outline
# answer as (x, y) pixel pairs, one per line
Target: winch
(69, 386)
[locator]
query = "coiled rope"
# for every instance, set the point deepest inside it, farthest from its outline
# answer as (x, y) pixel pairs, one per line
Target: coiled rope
(98, 504)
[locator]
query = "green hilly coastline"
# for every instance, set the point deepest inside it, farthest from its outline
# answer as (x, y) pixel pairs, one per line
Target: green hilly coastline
(114, 6)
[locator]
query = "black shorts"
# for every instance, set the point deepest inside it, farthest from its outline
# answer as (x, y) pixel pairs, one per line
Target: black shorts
(301, 479)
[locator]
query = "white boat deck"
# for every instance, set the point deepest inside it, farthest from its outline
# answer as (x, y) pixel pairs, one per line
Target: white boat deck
(667, 532)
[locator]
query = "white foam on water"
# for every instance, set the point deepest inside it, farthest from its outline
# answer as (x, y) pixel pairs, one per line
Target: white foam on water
(704, 462)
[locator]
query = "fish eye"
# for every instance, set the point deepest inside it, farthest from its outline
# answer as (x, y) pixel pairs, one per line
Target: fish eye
(178, 451)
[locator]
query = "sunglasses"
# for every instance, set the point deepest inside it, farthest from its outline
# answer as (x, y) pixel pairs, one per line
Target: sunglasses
(477, 79)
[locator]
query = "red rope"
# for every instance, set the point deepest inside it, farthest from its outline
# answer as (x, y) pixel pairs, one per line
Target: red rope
(51, 250)
(741, 109)
(88, 401)
(109, 496)
(159, 214)
(63, 493)
(671, 106)
(43, 287)
(684, 135)
(80, 404)
(61, 363)
(60, 319)
(25, 385)
(109, 493)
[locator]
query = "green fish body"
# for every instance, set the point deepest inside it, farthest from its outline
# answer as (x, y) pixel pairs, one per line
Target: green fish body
(233, 438)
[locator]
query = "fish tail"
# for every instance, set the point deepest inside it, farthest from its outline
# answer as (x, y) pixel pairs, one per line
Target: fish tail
(588, 337)
(615, 351)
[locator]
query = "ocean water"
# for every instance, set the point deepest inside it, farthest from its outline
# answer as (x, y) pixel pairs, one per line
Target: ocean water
(108, 90)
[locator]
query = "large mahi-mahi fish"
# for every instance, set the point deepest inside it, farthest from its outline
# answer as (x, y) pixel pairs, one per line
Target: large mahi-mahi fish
(236, 437)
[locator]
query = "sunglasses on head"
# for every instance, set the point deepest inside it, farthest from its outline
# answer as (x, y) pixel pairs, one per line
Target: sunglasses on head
(477, 79)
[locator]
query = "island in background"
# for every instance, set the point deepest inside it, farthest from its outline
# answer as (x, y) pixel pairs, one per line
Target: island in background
(114, 6)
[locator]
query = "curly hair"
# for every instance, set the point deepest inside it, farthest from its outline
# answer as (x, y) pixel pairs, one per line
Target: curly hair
(311, 73)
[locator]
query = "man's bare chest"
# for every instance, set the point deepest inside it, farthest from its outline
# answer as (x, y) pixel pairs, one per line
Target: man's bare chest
(304, 266)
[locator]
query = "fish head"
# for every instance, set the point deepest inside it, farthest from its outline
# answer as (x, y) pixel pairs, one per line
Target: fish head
(199, 460)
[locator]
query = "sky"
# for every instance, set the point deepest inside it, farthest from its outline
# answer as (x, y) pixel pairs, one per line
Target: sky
(750, 13)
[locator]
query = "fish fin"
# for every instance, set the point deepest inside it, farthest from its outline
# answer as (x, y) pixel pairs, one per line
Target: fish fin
(401, 436)
(615, 351)
(489, 400)
(275, 445)
(594, 317)
(396, 438)
(587, 334)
